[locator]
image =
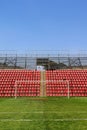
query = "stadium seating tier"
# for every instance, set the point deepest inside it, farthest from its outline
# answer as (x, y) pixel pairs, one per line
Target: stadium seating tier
(28, 83)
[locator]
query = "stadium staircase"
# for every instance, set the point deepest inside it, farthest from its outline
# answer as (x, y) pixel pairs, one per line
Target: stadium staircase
(43, 84)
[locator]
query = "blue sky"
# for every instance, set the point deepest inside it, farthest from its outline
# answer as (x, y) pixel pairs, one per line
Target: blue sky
(43, 25)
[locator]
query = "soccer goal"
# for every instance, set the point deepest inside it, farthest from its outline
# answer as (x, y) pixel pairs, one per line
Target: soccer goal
(39, 88)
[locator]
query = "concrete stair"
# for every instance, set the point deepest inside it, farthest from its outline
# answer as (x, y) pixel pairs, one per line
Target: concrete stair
(43, 84)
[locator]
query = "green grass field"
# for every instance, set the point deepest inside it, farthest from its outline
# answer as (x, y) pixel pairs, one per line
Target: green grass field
(50, 113)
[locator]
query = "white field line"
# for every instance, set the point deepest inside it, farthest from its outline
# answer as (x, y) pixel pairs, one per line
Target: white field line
(36, 120)
(21, 112)
(41, 112)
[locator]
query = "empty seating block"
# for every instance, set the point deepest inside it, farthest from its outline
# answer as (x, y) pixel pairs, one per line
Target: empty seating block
(24, 82)
(58, 81)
